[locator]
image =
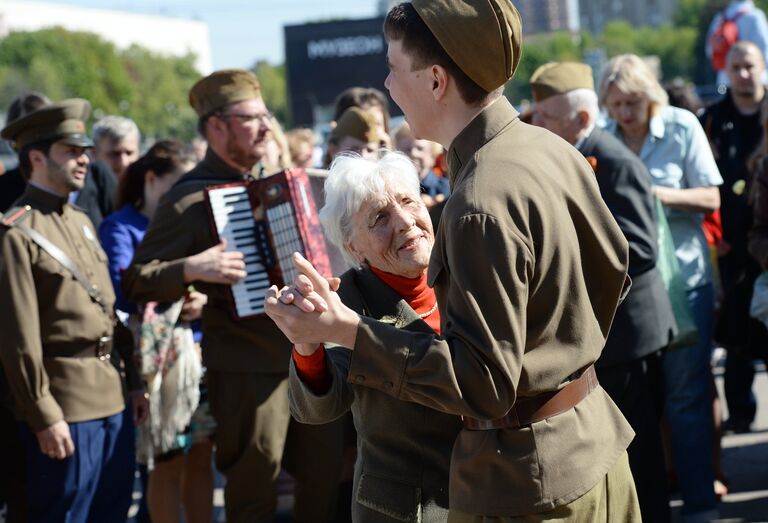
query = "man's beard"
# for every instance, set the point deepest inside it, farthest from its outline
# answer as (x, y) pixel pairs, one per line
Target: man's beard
(245, 158)
(59, 174)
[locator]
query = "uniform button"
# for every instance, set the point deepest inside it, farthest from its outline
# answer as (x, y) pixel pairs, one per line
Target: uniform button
(360, 378)
(388, 385)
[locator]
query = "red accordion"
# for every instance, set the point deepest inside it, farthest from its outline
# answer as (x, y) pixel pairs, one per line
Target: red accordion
(267, 220)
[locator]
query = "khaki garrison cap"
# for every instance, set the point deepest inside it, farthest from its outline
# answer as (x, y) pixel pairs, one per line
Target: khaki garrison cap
(483, 37)
(560, 77)
(221, 88)
(357, 123)
(64, 122)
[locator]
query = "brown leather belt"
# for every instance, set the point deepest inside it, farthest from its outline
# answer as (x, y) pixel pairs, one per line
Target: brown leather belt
(536, 408)
(102, 349)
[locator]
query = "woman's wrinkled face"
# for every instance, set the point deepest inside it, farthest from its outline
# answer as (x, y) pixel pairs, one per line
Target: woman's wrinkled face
(632, 111)
(393, 233)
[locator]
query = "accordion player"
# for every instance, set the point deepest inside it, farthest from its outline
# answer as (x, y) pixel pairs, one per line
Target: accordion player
(267, 220)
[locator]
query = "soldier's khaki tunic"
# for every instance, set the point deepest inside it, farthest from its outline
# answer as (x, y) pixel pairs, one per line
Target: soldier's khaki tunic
(528, 267)
(181, 228)
(42, 305)
(247, 362)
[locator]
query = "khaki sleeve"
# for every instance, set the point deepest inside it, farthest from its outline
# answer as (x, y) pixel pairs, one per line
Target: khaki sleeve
(316, 409)
(474, 371)
(21, 349)
(157, 270)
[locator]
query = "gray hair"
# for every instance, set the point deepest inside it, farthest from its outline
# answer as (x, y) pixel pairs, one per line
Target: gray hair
(583, 100)
(114, 128)
(351, 181)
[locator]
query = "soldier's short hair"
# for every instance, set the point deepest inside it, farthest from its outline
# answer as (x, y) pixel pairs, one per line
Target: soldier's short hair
(403, 24)
(114, 129)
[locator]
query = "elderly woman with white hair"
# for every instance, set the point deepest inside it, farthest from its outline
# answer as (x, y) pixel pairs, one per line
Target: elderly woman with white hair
(375, 215)
(673, 145)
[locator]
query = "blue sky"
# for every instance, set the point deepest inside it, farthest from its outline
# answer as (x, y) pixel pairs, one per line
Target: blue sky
(242, 31)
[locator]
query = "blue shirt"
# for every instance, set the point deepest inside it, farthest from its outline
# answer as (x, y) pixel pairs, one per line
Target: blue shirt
(752, 25)
(120, 233)
(433, 185)
(677, 154)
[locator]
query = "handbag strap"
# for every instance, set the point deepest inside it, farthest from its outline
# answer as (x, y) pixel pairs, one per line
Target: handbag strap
(61, 257)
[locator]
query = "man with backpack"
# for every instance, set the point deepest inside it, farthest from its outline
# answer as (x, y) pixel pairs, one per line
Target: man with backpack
(741, 20)
(735, 129)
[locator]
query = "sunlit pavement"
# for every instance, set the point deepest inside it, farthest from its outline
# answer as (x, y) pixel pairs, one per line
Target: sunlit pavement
(745, 463)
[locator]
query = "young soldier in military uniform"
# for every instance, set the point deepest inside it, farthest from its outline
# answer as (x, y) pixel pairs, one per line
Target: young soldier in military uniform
(57, 325)
(630, 366)
(247, 360)
(528, 267)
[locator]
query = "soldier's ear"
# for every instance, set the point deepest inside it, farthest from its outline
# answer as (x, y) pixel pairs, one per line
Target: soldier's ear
(439, 78)
(37, 159)
(583, 117)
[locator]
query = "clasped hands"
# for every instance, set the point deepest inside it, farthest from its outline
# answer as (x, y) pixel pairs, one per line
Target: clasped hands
(310, 312)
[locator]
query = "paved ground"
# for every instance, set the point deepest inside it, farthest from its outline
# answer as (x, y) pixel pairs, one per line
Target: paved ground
(745, 463)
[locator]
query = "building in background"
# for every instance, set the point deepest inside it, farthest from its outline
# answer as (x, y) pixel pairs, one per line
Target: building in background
(596, 13)
(160, 34)
(323, 59)
(539, 16)
(547, 16)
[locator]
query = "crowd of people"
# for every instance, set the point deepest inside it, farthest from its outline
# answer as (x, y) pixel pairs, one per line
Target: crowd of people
(524, 331)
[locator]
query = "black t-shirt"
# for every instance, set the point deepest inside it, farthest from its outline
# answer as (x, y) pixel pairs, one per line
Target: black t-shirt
(735, 137)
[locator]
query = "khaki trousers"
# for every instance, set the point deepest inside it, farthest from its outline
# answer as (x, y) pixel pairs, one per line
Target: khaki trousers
(252, 427)
(612, 500)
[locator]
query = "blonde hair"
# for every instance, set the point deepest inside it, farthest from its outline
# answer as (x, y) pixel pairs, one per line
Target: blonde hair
(631, 75)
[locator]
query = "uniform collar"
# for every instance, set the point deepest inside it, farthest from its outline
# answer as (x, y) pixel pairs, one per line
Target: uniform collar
(387, 306)
(220, 168)
(484, 127)
(44, 199)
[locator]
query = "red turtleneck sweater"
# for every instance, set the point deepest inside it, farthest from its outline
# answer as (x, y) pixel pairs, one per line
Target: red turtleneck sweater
(313, 369)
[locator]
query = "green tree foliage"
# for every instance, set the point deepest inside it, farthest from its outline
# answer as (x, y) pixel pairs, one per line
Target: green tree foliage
(274, 89)
(675, 47)
(147, 87)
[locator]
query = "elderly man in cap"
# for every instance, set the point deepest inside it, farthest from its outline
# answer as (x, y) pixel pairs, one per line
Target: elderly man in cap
(247, 360)
(528, 267)
(630, 366)
(57, 327)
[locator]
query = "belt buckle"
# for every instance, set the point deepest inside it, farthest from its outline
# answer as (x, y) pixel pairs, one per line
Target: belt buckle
(102, 347)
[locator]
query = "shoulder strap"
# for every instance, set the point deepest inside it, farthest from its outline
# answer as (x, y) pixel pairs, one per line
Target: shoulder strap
(61, 257)
(207, 181)
(15, 214)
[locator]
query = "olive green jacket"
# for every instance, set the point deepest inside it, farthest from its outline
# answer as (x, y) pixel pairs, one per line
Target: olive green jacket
(404, 449)
(43, 306)
(180, 228)
(528, 266)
